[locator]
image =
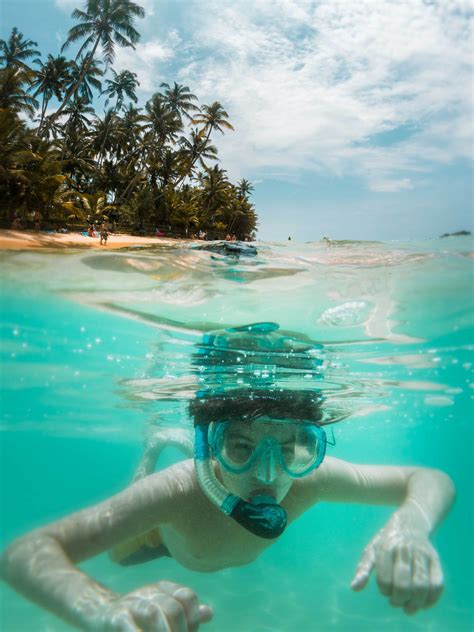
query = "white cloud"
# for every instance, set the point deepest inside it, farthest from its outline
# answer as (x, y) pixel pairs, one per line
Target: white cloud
(70, 5)
(311, 85)
(146, 60)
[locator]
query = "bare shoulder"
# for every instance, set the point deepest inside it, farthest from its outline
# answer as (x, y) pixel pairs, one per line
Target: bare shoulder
(337, 480)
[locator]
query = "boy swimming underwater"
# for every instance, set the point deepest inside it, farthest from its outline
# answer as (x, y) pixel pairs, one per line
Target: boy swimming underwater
(259, 463)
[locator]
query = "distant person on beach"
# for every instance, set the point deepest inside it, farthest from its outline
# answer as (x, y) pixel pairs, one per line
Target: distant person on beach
(37, 219)
(104, 234)
(91, 230)
(16, 223)
(259, 463)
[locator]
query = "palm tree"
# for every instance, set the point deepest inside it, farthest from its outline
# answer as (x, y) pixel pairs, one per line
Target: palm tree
(163, 123)
(13, 95)
(193, 150)
(212, 117)
(244, 189)
(123, 84)
(51, 80)
(89, 69)
(39, 168)
(78, 112)
(76, 126)
(132, 126)
(179, 99)
(104, 22)
(105, 133)
(13, 140)
(14, 51)
(215, 189)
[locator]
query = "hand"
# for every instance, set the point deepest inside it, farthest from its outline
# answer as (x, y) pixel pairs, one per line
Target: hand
(161, 607)
(407, 566)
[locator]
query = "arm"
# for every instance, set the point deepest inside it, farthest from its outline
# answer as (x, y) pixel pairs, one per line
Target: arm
(406, 564)
(40, 564)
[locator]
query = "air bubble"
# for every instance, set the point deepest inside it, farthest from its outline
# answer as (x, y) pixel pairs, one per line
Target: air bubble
(438, 400)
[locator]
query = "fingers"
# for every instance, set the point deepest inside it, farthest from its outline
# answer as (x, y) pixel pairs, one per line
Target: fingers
(150, 616)
(384, 570)
(194, 613)
(409, 576)
(402, 577)
(205, 613)
(436, 582)
(364, 568)
(420, 584)
(122, 623)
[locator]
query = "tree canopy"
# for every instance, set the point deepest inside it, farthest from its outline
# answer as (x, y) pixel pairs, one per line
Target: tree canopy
(140, 167)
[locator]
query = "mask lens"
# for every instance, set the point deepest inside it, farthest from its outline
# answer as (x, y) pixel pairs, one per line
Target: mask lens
(304, 450)
(298, 447)
(234, 448)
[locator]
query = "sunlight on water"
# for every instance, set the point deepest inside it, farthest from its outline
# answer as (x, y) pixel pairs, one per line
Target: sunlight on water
(99, 350)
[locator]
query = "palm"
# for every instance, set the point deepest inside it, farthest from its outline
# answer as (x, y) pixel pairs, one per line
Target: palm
(162, 122)
(78, 121)
(13, 95)
(16, 50)
(195, 150)
(215, 190)
(90, 70)
(104, 23)
(51, 80)
(244, 188)
(179, 99)
(122, 85)
(212, 117)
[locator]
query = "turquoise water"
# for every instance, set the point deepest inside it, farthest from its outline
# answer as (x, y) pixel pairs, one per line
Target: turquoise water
(97, 348)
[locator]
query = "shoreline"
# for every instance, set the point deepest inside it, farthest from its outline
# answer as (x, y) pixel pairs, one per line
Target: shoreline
(31, 240)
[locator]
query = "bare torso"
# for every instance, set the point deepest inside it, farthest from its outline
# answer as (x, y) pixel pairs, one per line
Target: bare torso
(203, 538)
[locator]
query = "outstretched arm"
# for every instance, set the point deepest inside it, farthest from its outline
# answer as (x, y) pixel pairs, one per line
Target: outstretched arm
(41, 564)
(407, 566)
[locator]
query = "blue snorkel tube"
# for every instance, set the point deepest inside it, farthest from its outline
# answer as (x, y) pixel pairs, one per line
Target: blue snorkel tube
(263, 516)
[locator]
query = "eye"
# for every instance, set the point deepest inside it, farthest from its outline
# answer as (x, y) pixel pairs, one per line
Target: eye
(241, 445)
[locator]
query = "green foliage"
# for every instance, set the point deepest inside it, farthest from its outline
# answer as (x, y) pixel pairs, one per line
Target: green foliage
(142, 168)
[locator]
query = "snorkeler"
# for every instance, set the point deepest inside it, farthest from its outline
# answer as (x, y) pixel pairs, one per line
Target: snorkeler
(259, 463)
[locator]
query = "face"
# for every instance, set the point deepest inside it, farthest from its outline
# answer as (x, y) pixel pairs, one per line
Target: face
(265, 475)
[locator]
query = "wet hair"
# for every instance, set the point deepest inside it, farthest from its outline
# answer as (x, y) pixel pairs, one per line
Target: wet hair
(249, 404)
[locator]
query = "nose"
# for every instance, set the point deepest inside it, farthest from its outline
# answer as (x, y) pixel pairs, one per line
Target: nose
(266, 470)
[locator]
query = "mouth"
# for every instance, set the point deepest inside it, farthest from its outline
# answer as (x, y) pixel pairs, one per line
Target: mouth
(262, 491)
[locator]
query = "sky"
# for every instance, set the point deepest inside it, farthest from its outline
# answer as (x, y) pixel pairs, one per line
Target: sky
(353, 119)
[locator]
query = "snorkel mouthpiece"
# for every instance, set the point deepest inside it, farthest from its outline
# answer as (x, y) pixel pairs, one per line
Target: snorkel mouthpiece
(262, 517)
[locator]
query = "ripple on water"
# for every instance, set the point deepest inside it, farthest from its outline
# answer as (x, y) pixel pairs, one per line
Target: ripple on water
(350, 314)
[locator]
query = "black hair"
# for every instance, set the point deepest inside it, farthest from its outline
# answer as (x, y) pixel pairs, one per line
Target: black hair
(248, 404)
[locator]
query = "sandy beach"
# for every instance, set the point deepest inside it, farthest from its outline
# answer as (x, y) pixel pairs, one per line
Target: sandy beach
(25, 240)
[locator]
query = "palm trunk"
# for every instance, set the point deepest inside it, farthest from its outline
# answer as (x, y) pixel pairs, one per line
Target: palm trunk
(43, 112)
(101, 152)
(193, 162)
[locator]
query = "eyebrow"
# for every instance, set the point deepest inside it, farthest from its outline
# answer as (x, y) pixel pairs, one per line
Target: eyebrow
(234, 433)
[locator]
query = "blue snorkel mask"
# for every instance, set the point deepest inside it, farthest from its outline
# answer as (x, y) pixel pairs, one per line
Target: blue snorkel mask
(297, 451)
(302, 451)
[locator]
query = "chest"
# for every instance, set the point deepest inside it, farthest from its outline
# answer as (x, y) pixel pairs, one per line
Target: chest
(207, 540)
